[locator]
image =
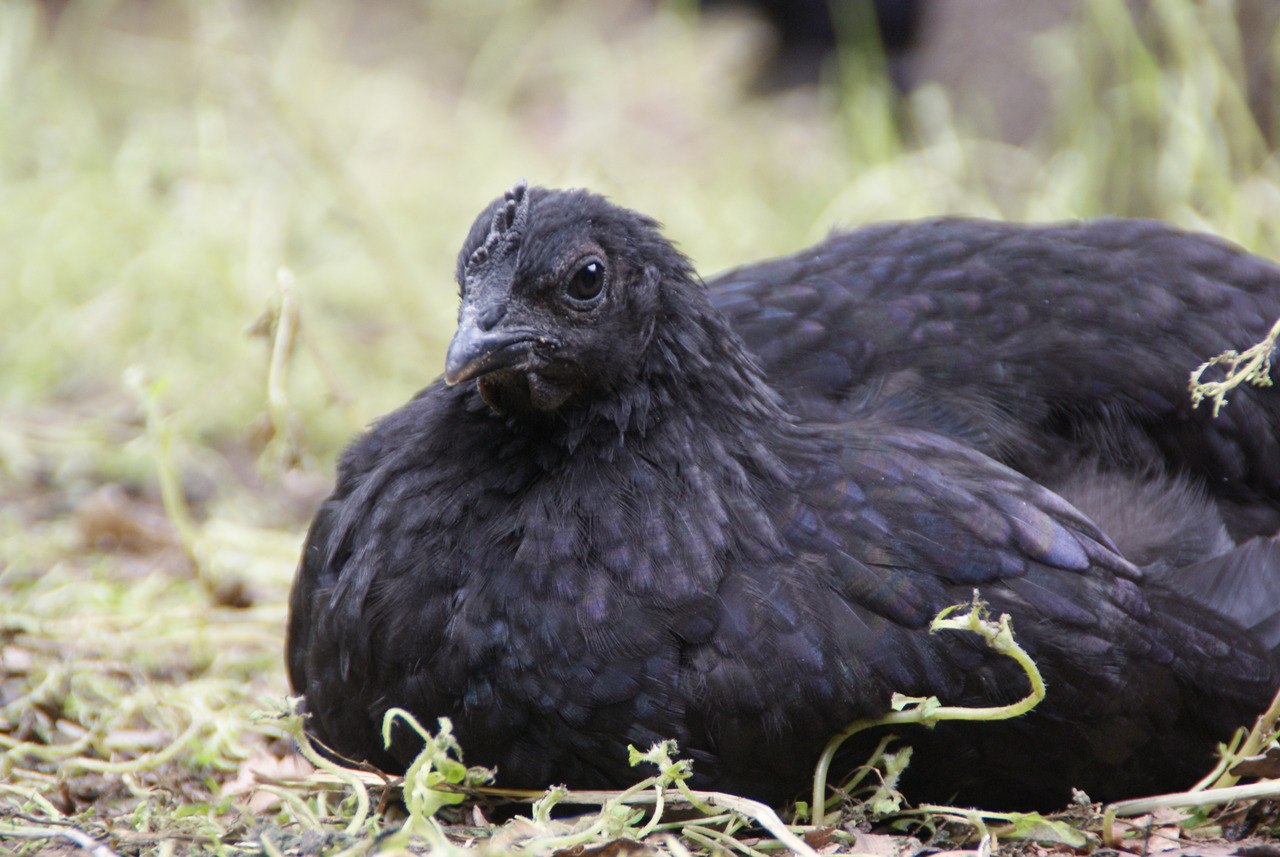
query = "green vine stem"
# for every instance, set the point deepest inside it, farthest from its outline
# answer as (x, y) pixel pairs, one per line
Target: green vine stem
(929, 711)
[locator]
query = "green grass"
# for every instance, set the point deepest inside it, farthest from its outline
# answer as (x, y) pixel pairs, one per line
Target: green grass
(161, 163)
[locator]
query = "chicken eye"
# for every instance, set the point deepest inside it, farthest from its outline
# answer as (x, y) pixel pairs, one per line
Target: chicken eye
(587, 282)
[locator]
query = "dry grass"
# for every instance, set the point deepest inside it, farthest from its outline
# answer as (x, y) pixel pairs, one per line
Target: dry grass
(162, 163)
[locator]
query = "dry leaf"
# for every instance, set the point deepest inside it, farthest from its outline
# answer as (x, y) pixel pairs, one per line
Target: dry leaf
(111, 520)
(819, 837)
(1265, 766)
(263, 766)
(882, 845)
(612, 848)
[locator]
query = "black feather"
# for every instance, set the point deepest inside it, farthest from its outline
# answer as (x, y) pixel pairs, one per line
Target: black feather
(727, 515)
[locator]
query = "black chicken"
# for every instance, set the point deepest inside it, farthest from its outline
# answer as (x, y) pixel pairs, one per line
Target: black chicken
(636, 508)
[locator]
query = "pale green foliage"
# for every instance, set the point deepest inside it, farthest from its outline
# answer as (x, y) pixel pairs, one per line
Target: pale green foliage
(1251, 366)
(438, 764)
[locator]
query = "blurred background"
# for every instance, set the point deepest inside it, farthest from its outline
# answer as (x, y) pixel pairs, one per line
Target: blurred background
(162, 162)
(227, 228)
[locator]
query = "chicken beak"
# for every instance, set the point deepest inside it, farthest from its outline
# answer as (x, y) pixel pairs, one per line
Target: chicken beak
(475, 352)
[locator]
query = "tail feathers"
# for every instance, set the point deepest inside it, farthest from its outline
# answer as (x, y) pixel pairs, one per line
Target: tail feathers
(1243, 584)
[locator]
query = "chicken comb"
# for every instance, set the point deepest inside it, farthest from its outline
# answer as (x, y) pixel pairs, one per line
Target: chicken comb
(508, 225)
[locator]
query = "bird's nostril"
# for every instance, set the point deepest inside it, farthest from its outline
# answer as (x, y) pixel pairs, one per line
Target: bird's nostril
(490, 316)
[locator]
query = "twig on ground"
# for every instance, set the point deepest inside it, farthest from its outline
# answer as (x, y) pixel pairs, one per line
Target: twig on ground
(77, 838)
(348, 777)
(1207, 797)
